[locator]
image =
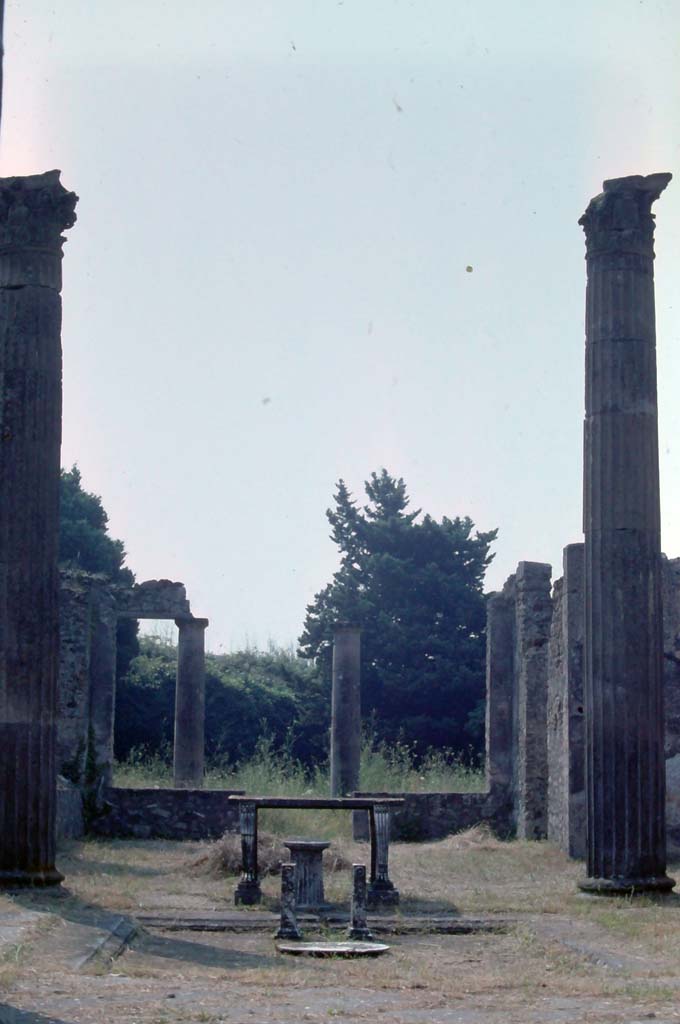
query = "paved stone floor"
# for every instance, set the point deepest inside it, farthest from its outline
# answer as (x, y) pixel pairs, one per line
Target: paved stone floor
(67, 974)
(141, 937)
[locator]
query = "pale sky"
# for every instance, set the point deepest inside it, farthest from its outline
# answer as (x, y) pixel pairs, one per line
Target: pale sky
(266, 288)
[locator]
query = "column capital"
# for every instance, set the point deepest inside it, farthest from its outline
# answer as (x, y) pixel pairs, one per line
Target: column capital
(346, 627)
(619, 219)
(34, 210)
(190, 620)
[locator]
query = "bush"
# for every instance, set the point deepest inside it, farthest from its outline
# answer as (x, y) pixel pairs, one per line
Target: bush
(249, 695)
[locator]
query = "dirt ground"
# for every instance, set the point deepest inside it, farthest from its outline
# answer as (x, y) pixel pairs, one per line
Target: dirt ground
(558, 956)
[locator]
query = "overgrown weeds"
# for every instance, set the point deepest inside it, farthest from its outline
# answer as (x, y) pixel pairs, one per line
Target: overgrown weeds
(274, 772)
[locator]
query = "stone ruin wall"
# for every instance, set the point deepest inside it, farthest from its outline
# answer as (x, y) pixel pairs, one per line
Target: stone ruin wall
(535, 721)
(87, 677)
(544, 745)
(89, 609)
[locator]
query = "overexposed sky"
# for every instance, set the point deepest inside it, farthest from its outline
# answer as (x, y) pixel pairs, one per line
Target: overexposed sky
(266, 288)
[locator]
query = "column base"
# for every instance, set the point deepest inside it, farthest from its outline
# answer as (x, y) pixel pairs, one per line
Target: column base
(359, 934)
(288, 933)
(34, 879)
(247, 894)
(380, 894)
(621, 886)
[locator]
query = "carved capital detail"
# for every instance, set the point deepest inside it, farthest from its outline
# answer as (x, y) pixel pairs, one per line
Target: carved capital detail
(34, 211)
(619, 220)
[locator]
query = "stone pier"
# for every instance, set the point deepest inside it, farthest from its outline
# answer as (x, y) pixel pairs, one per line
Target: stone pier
(533, 614)
(189, 752)
(500, 686)
(34, 211)
(566, 717)
(346, 711)
(623, 679)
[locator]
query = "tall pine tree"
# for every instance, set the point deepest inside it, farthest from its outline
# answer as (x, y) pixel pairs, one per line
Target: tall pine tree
(415, 587)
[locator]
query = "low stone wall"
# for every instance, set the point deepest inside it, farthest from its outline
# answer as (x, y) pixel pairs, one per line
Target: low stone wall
(427, 816)
(167, 813)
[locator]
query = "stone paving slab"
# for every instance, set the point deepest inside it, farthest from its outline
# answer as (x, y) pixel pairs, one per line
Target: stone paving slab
(79, 942)
(17, 926)
(262, 920)
(84, 943)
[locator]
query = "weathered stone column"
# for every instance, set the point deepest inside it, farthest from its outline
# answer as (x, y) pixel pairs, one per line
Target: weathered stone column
(102, 688)
(189, 753)
(566, 720)
(34, 211)
(346, 710)
(533, 615)
(500, 682)
(625, 788)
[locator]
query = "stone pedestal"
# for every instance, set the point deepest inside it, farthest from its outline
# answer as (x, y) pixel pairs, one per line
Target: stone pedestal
(307, 855)
(346, 711)
(623, 678)
(189, 754)
(33, 212)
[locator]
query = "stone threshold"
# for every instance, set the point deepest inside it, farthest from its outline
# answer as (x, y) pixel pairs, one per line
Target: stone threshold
(264, 921)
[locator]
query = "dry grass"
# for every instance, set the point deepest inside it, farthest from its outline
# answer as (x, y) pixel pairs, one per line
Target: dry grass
(223, 857)
(541, 970)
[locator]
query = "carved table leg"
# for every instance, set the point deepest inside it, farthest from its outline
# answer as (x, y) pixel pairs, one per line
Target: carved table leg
(248, 890)
(381, 891)
(288, 928)
(358, 926)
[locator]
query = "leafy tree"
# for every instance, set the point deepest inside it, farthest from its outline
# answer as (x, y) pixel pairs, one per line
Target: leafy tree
(85, 543)
(414, 586)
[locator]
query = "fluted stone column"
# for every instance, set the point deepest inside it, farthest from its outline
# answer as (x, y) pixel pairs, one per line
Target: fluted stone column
(623, 679)
(34, 211)
(346, 710)
(189, 753)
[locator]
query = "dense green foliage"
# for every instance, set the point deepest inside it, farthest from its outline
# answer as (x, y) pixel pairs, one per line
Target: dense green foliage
(249, 695)
(415, 587)
(85, 543)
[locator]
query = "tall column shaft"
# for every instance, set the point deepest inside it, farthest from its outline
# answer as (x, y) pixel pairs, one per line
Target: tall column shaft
(189, 752)
(533, 613)
(623, 680)
(33, 212)
(500, 682)
(102, 686)
(566, 733)
(346, 711)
